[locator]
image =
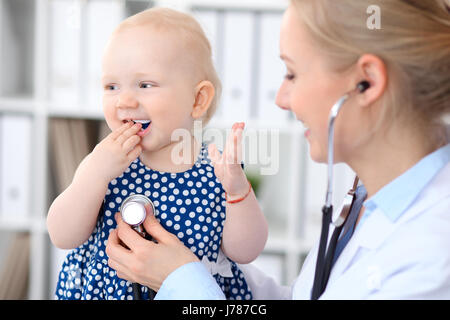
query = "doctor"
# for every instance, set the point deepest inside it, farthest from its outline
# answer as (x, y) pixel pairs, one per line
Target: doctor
(398, 234)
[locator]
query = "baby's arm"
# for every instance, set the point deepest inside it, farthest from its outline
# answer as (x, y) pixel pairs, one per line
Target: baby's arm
(73, 214)
(245, 231)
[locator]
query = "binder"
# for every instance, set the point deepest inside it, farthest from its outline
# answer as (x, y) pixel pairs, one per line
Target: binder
(15, 164)
(237, 61)
(271, 70)
(208, 20)
(64, 27)
(17, 20)
(102, 17)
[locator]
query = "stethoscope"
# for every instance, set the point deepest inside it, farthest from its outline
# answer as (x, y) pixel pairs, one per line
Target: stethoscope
(324, 256)
(133, 213)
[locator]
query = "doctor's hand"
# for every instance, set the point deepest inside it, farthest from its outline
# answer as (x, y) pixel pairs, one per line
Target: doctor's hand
(227, 166)
(144, 261)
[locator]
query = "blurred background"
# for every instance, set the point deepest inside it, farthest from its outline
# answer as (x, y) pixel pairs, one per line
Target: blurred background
(51, 117)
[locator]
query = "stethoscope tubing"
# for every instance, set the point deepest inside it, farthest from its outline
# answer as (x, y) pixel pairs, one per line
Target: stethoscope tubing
(331, 121)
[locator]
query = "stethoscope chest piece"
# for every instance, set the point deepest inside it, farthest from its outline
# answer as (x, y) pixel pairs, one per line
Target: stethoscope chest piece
(133, 211)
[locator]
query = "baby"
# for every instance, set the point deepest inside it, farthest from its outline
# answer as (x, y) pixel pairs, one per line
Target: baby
(158, 77)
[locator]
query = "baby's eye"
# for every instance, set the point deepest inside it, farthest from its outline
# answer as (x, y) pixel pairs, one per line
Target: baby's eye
(111, 87)
(145, 85)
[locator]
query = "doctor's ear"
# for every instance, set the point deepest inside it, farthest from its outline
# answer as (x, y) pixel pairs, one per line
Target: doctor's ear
(373, 70)
(204, 94)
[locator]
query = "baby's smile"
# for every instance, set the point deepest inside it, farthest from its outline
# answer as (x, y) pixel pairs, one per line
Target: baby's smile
(145, 123)
(145, 126)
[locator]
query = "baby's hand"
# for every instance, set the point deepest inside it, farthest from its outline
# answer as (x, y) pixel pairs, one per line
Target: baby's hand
(227, 166)
(114, 154)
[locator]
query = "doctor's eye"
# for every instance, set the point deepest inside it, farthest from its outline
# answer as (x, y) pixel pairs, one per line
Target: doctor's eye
(289, 76)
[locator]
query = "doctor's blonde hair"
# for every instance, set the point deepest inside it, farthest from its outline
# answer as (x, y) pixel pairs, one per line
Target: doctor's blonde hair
(192, 38)
(413, 42)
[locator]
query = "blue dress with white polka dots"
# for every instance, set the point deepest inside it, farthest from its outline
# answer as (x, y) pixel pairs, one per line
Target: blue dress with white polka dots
(189, 204)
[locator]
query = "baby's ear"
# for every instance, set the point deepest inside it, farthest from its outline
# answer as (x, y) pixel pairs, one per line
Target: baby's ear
(204, 94)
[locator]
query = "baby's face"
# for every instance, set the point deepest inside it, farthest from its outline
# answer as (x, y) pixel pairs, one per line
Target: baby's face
(145, 78)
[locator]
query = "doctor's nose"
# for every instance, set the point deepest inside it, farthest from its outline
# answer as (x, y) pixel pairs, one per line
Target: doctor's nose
(282, 98)
(127, 100)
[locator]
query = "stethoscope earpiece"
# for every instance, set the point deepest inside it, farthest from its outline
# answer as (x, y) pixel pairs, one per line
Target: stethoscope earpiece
(363, 86)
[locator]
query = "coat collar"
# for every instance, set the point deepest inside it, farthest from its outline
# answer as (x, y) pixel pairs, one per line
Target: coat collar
(378, 226)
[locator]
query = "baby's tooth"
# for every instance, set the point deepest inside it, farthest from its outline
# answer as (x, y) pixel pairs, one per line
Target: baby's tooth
(142, 121)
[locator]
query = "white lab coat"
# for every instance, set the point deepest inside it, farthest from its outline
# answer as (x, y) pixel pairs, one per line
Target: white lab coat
(405, 259)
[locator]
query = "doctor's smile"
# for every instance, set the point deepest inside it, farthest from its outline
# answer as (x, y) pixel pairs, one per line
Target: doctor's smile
(154, 212)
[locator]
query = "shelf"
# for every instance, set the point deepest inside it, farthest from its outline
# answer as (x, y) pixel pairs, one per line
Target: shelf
(73, 112)
(23, 224)
(23, 105)
(261, 5)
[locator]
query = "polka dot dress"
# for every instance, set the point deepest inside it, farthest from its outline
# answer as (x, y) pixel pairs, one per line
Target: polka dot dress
(189, 204)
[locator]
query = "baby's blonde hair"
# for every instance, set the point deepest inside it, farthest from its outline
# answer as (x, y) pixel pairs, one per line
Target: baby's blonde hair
(192, 37)
(413, 42)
